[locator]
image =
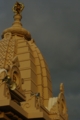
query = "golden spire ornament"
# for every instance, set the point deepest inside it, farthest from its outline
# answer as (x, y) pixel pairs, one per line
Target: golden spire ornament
(17, 28)
(18, 7)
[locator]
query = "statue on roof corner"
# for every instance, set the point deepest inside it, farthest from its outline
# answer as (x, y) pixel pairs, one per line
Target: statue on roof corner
(18, 7)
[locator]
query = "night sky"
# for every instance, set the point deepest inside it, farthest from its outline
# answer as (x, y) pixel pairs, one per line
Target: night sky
(55, 27)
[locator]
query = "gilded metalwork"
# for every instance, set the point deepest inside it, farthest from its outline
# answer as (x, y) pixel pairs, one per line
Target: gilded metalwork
(18, 7)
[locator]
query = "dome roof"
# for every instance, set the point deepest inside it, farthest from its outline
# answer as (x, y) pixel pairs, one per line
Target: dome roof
(33, 68)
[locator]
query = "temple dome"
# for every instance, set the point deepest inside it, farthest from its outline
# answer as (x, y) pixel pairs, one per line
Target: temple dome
(17, 41)
(33, 67)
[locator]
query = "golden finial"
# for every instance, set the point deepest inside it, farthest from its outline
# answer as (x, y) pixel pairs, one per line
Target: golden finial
(18, 7)
(16, 28)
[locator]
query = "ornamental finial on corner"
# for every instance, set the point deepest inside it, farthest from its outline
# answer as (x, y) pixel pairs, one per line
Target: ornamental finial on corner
(61, 87)
(18, 7)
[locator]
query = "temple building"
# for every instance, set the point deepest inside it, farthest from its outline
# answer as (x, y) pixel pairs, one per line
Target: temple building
(25, 82)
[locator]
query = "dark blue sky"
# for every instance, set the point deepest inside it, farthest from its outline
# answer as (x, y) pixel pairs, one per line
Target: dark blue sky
(55, 27)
